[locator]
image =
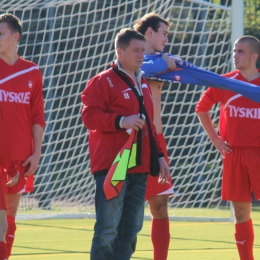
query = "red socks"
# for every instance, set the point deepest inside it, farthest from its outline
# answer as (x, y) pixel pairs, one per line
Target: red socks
(244, 235)
(160, 236)
(2, 250)
(9, 236)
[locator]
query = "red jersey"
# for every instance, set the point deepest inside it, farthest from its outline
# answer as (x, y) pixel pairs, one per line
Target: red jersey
(21, 103)
(239, 121)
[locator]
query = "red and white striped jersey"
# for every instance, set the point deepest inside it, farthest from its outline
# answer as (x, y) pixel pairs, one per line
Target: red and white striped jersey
(21, 103)
(239, 122)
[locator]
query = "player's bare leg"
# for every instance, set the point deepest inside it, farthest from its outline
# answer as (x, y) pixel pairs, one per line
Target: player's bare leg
(160, 234)
(12, 203)
(244, 232)
(241, 211)
(3, 229)
(3, 226)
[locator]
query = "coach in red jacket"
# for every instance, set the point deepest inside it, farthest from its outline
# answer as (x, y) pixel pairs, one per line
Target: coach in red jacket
(111, 107)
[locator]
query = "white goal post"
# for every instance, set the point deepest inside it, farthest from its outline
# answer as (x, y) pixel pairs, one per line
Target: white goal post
(74, 40)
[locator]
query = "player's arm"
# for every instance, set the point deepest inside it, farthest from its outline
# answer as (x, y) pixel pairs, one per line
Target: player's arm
(157, 63)
(164, 171)
(164, 167)
(33, 160)
(170, 60)
(219, 143)
(38, 124)
(210, 97)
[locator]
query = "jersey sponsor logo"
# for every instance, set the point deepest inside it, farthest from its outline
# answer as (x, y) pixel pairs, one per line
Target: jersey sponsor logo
(244, 112)
(13, 97)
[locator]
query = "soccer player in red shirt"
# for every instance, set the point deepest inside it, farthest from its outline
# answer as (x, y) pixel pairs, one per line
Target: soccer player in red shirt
(21, 104)
(155, 29)
(238, 140)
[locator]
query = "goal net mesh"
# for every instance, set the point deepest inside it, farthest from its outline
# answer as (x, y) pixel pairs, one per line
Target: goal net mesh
(74, 40)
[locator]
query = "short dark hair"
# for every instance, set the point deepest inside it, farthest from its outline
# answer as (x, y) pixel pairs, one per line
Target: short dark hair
(13, 23)
(254, 43)
(124, 37)
(152, 20)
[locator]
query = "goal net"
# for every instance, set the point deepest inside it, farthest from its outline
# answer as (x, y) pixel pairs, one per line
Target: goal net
(74, 40)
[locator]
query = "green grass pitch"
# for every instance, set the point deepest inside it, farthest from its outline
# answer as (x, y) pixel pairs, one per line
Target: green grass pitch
(64, 239)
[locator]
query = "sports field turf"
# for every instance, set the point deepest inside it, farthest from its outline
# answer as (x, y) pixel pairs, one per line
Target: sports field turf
(71, 238)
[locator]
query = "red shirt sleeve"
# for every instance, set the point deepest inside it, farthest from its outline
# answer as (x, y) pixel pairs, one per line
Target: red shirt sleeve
(210, 97)
(37, 106)
(95, 99)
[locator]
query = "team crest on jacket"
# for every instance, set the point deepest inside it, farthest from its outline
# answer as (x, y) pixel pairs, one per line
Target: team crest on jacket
(177, 78)
(30, 83)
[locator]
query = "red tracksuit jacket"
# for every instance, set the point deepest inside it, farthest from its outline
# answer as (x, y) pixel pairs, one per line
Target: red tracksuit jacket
(105, 100)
